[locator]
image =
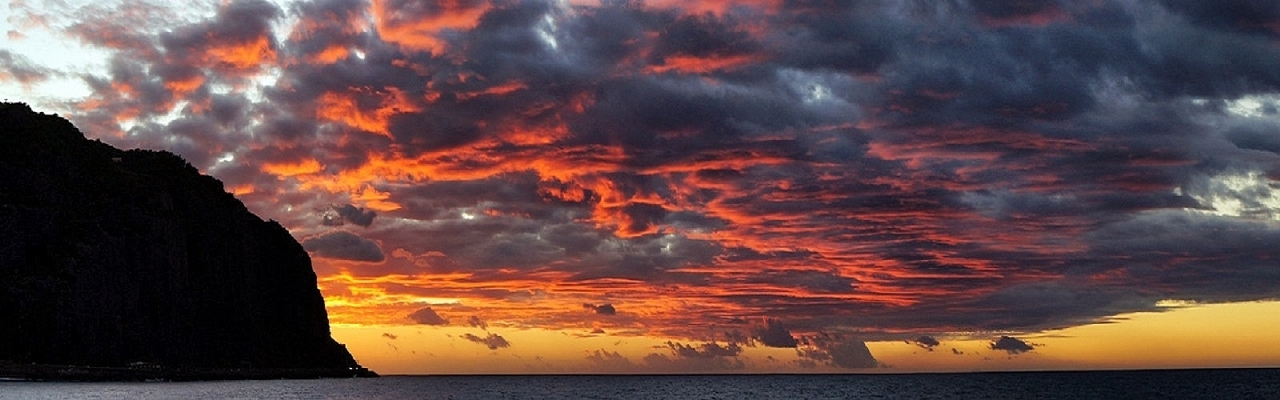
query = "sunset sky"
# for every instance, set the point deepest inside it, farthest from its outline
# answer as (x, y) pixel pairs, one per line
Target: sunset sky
(594, 186)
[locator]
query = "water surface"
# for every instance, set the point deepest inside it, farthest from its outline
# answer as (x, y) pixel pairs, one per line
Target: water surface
(1173, 384)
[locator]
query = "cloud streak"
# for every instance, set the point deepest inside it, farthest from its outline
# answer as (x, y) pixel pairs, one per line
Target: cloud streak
(493, 341)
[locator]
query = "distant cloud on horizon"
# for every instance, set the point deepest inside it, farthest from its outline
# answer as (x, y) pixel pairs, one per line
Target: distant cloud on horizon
(1011, 345)
(427, 316)
(493, 341)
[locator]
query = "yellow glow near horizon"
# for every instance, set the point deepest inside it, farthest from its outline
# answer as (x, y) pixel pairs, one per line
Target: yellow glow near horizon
(1196, 336)
(1218, 335)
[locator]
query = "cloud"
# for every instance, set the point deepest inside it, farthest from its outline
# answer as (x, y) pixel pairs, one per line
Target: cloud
(852, 354)
(968, 166)
(427, 316)
(351, 214)
(237, 41)
(1011, 345)
(837, 352)
(926, 342)
(610, 361)
(703, 357)
(1246, 17)
(704, 350)
(492, 341)
(343, 245)
(775, 334)
(602, 309)
(476, 322)
(19, 68)
(1019, 13)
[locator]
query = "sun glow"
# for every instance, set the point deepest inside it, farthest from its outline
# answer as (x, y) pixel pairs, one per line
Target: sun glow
(1181, 337)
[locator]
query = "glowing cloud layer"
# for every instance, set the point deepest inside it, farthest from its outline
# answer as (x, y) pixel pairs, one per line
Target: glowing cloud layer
(809, 174)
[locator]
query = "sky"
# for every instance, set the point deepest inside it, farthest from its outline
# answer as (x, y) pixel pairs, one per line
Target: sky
(722, 186)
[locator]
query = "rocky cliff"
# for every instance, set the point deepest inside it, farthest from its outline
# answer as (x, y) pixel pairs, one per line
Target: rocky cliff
(115, 258)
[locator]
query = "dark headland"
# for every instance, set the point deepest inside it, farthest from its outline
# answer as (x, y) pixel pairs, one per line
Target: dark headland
(131, 265)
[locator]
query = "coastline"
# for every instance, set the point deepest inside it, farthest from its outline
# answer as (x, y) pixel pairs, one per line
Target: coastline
(77, 373)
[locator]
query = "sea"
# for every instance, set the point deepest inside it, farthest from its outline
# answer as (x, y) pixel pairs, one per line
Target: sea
(1159, 384)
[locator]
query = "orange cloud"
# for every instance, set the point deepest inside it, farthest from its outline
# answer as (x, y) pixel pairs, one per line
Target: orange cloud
(700, 65)
(716, 7)
(415, 29)
(374, 199)
(496, 90)
(184, 86)
(286, 169)
(240, 190)
(330, 54)
(244, 56)
(346, 108)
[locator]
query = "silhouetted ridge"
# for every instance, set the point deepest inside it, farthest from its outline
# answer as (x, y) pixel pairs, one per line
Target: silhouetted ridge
(114, 258)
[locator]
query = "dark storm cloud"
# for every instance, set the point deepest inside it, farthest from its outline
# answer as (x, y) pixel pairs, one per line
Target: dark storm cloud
(704, 350)
(698, 118)
(493, 341)
(815, 281)
(1044, 305)
(327, 27)
(191, 137)
(602, 309)
(1011, 345)
(839, 352)
(648, 258)
(1244, 16)
(476, 322)
(775, 334)
(151, 71)
(474, 243)
(926, 342)
(848, 37)
(610, 361)
(1257, 136)
(642, 216)
(1192, 256)
(704, 357)
(1029, 11)
(344, 245)
(1135, 262)
(351, 214)
(488, 242)
(700, 36)
(504, 48)
(236, 40)
(852, 354)
(427, 316)
(514, 193)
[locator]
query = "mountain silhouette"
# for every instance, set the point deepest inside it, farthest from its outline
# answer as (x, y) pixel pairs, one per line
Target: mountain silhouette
(131, 259)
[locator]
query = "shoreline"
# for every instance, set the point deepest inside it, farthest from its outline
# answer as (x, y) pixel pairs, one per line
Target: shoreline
(76, 373)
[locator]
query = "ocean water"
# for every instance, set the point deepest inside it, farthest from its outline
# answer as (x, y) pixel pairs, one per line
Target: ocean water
(1173, 384)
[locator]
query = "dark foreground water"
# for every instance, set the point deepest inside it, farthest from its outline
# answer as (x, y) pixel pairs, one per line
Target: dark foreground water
(1177, 384)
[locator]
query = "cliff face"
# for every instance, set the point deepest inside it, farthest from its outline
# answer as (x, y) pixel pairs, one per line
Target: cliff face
(111, 257)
